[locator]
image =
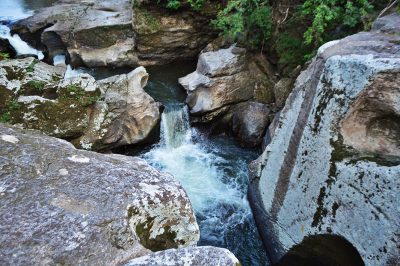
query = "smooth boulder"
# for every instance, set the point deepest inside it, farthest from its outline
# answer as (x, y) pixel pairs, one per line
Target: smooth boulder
(67, 206)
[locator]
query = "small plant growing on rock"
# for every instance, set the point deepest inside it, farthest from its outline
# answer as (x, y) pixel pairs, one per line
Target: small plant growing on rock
(14, 105)
(5, 117)
(31, 66)
(4, 56)
(36, 84)
(82, 96)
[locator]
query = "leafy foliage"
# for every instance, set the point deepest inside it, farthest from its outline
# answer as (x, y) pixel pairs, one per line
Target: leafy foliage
(250, 19)
(176, 4)
(326, 15)
(36, 84)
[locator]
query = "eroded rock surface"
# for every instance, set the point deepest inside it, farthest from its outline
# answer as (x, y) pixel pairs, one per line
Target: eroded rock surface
(95, 32)
(61, 205)
(95, 115)
(333, 165)
(118, 33)
(205, 256)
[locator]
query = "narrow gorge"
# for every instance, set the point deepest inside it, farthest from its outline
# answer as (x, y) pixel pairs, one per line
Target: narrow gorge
(176, 132)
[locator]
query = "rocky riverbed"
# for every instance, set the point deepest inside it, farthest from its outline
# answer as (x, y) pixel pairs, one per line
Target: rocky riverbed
(83, 81)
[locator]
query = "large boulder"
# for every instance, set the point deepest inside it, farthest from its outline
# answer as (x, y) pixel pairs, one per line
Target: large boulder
(327, 186)
(95, 32)
(249, 121)
(223, 80)
(126, 114)
(94, 115)
(61, 205)
(191, 256)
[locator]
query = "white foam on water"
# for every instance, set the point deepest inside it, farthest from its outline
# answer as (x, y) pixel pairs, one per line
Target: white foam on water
(72, 73)
(219, 202)
(59, 60)
(20, 46)
(13, 10)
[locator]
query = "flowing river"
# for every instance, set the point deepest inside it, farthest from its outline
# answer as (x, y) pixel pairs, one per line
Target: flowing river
(213, 170)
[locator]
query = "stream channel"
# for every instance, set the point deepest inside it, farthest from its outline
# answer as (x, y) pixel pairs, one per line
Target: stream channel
(213, 170)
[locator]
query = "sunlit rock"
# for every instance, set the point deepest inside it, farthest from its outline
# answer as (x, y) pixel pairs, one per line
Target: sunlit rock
(67, 206)
(333, 165)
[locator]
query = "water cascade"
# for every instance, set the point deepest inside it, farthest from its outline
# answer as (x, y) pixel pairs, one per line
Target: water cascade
(21, 47)
(214, 174)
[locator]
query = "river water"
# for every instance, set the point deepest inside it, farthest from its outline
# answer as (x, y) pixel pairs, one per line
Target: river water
(213, 170)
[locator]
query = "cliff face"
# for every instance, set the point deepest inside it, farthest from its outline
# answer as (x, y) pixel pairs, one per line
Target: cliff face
(332, 167)
(118, 33)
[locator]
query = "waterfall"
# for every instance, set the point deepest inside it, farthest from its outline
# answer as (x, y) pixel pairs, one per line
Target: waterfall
(21, 47)
(175, 127)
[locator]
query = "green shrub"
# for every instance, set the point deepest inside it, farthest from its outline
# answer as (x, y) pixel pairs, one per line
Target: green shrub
(324, 16)
(246, 19)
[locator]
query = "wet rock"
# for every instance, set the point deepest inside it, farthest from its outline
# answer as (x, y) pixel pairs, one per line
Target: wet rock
(206, 256)
(6, 47)
(249, 122)
(66, 206)
(333, 165)
(94, 115)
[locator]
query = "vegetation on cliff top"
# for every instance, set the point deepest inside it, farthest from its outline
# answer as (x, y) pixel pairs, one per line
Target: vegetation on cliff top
(295, 34)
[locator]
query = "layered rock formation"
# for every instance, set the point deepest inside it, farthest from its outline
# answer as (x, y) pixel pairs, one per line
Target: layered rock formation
(113, 33)
(225, 79)
(333, 166)
(95, 115)
(66, 206)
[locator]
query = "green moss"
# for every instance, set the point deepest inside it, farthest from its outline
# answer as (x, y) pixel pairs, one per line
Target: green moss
(5, 117)
(145, 22)
(83, 97)
(31, 66)
(36, 85)
(14, 105)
